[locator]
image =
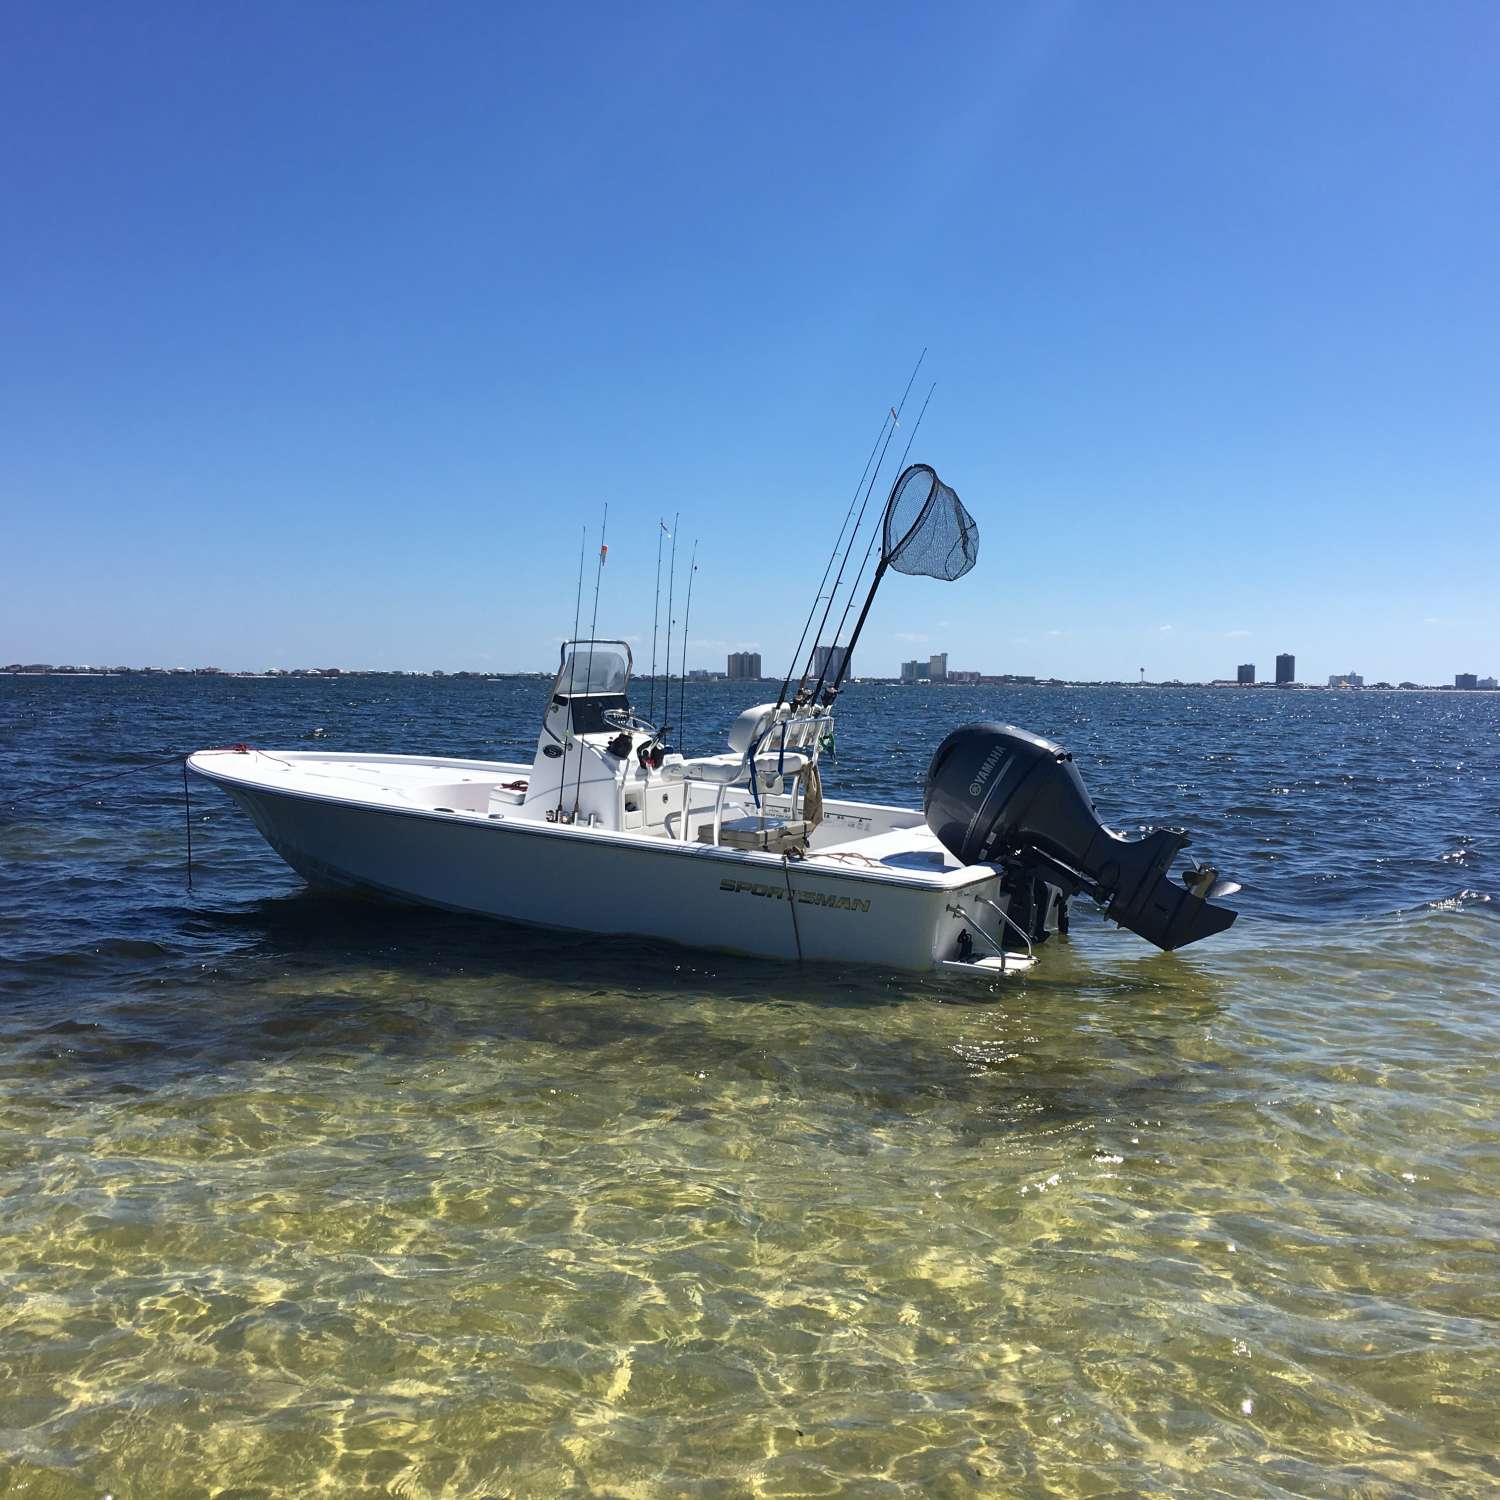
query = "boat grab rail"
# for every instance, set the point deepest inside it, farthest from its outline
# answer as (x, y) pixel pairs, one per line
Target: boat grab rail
(958, 910)
(1014, 926)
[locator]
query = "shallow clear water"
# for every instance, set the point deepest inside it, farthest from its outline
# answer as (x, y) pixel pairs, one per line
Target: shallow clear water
(303, 1195)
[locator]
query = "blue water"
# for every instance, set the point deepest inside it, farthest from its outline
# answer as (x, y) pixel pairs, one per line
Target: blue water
(303, 1193)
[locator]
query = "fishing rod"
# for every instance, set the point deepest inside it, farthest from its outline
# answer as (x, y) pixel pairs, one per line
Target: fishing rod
(938, 512)
(828, 567)
(890, 432)
(687, 615)
(583, 542)
(906, 451)
(656, 617)
(812, 654)
(598, 579)
(890, 416)
(588, 680)
(858, 577)
(666, 702)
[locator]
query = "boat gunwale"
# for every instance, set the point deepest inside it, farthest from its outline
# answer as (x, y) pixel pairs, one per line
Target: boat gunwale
(936, 882)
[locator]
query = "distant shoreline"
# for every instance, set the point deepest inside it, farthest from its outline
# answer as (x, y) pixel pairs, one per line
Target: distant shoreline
(342, 674)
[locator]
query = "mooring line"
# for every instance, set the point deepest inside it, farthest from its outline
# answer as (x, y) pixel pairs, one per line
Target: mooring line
(179, 759)
(73, 786)
(187, 821)
(791, 900)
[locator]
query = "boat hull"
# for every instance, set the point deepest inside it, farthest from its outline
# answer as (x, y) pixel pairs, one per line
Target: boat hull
(556, 876)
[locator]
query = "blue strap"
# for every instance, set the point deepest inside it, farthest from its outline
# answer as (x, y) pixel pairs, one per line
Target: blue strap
(755, 745)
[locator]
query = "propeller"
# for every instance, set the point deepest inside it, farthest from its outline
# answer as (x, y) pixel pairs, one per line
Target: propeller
(1203, 881)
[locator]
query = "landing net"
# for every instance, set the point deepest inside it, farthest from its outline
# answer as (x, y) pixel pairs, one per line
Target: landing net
(927, 530)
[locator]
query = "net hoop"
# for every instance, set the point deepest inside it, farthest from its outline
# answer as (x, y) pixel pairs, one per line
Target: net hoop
(926, 530)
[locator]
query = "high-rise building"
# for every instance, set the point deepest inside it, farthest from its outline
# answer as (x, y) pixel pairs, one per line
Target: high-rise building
(1245, 674)
(1466, 679)
(1286, 669)
(913, 671)
(1346, 679)
(937, 666)
(826, 661)
(744, 666)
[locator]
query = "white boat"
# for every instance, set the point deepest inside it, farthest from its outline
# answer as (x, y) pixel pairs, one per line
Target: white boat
(609, 831)
(592, 836)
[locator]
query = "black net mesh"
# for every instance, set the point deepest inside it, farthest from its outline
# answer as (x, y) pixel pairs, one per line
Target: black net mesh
(927, 530)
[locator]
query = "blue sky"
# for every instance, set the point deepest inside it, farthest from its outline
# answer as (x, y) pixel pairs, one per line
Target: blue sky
(326, 328)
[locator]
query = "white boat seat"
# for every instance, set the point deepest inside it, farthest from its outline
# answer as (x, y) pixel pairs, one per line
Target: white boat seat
(763, 750)
(727, 770)
(731, 769)
(782, 763)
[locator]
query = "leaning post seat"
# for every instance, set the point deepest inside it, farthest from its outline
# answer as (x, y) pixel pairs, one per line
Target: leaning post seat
(778, 746)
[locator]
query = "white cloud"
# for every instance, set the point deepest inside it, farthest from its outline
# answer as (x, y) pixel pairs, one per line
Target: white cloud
(1166, 629)
(907, 635)
(1235, 635)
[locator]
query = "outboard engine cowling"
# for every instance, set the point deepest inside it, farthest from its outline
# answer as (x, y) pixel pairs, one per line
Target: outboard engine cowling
(997, 794)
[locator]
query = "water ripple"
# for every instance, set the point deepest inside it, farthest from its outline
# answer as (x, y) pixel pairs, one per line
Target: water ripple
(302, 1195)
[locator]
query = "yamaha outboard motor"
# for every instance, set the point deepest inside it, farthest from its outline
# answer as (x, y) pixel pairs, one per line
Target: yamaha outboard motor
(996, 794)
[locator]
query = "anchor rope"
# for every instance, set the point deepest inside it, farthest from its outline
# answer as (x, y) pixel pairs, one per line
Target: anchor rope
(791, 901)
(178, 759)
(89, 781)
